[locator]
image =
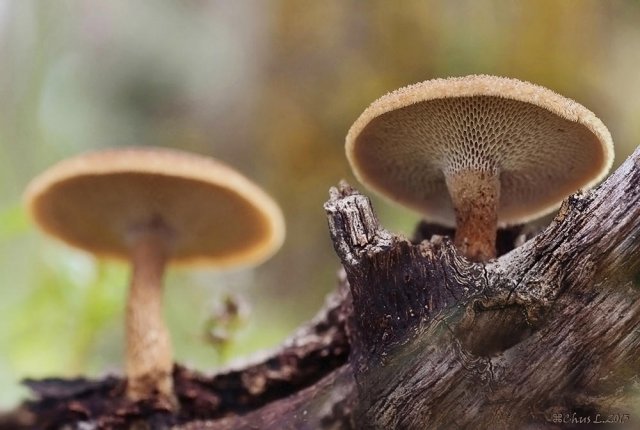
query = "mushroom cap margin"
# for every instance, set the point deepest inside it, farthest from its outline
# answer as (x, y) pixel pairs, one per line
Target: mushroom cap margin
(130, 186)
(467, 87)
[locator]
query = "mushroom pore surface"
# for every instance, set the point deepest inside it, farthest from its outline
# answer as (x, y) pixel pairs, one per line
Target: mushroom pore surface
(539, 156)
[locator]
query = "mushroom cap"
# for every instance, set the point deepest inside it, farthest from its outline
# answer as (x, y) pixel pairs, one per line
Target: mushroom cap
(97, 201)
(543, 146)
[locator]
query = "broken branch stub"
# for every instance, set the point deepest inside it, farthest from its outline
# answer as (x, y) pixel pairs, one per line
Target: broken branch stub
(395, 285)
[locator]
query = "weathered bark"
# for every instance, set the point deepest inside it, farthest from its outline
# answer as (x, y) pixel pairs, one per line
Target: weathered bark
(312, 353)
(550, 328)
(544, 336)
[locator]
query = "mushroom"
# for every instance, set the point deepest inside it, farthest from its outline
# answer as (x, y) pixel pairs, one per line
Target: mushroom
(150, 207)
(478, 151)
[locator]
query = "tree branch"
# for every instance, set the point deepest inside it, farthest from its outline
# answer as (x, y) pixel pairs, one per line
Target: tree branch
(548, 328)
(314, 351)
(544, 336)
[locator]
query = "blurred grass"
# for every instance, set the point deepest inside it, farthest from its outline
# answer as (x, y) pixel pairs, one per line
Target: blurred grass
(13, 222)
(270, 87)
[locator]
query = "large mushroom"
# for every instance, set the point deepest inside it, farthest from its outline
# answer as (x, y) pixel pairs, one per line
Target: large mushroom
(149, 207)
(480, 151)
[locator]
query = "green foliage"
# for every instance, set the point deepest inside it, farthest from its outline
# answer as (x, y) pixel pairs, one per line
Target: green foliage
(13, 222)
(52, 328)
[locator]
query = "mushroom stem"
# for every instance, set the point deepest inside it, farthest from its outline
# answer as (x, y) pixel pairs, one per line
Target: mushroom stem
(475, 196)
(149, 358)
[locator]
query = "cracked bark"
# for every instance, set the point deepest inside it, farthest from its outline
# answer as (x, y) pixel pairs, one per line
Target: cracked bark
(544, 331)
(544, 336)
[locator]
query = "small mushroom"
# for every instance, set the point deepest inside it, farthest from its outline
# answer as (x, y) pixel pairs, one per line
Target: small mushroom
(150, 207)
(478, 151)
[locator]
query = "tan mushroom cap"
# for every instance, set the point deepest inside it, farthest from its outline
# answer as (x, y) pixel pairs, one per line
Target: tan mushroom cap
(97, 200)
(543, 145)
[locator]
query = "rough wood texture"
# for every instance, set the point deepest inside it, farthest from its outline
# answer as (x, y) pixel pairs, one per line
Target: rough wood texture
(309, 356)
(546, 330)
(544, 337)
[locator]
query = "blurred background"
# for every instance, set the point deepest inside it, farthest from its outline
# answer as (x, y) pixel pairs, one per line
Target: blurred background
(270, 87)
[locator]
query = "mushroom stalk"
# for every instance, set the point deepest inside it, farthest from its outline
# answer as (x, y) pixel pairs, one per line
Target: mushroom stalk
(475, 196)
(149, 357)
